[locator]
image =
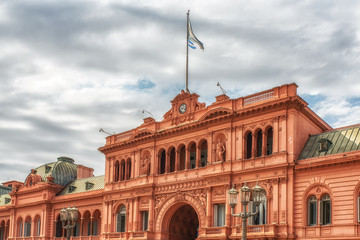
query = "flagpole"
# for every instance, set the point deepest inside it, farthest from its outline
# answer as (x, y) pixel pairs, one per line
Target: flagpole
(187, 50)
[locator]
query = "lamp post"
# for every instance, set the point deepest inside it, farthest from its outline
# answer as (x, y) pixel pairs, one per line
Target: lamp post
(246, 194)
(68, 217)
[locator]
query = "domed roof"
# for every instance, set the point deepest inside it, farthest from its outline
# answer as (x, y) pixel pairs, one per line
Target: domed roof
(63, 171)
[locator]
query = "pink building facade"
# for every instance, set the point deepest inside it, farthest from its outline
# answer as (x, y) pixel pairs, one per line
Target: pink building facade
(169, 179)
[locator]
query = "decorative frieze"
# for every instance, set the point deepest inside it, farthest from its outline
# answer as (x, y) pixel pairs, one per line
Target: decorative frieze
(180, 186)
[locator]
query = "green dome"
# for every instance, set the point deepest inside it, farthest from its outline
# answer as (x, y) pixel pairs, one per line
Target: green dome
(63, 171)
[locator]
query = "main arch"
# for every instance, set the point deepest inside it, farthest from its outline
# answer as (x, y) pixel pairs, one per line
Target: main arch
(193, 216)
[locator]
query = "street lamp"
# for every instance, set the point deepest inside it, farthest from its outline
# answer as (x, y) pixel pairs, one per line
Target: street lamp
(246, 193)
(68, 218)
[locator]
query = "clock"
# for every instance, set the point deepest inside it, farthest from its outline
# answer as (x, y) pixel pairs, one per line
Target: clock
(182, 108)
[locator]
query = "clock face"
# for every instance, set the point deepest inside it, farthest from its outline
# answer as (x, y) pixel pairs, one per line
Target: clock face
(182, 108)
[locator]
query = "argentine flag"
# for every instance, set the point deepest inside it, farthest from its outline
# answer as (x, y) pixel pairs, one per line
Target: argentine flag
(191, 45)
(192, 39)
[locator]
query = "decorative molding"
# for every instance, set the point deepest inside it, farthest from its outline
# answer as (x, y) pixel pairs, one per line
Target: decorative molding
(180, 186)
(218, 180)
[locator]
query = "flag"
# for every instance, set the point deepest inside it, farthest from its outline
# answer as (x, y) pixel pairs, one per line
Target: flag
(193, 39)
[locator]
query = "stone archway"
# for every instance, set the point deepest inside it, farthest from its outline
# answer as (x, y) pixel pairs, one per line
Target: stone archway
(168, 207)
(184, 224)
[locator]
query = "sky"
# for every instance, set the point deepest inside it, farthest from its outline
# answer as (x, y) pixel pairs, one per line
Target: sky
(69, 68)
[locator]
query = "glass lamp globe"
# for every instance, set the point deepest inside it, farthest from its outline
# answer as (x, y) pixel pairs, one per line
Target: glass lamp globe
(233, 197)
(64, 214)
(245, 194)
(257, 194)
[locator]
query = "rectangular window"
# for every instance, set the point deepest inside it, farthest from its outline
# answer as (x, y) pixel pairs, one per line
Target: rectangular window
(21, 229)
(118, 222)
(88, 228)
(219, 215)
(38, 227)
(312, 213)
(145, 220)
(94, 229)
(327, 209)
(28, 229)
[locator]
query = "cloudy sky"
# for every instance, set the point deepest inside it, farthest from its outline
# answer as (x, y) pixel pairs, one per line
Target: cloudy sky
(68, 68)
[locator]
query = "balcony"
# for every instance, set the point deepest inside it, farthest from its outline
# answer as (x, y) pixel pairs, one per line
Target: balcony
(255, 231)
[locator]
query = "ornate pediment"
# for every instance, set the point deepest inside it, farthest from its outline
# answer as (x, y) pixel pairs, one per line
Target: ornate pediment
(142, 133)
(216, 112)
(183, 107)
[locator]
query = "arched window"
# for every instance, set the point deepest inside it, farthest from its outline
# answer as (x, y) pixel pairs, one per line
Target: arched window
(116, 171)
(269, 141)
(86, 224)
(58, 227)
(182, 157)
(204, 153)
(193, 156)
(20, 227)
(312, 211)
(37, 229)
(259, 139)
(121, 219)
(96, 223)
(325, 210)
(76, 229)
(261, 217)
(122, 170)
(162, 162)
(128, 169)
(27, 228)
(172, 160)
(248, 146)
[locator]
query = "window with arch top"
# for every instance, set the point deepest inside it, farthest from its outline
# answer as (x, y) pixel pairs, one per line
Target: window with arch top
(325, 210)
(121, 219)
(312, 211)
(248, 146)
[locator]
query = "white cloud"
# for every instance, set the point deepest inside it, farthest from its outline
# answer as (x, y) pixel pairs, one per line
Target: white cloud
(70, 68)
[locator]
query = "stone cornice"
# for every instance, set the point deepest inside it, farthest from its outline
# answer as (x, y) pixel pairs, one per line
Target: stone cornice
(277, 104)
(327, 161)
(51, 187)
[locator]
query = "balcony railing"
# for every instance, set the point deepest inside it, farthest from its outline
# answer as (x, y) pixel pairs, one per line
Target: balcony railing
(258, 98)
(256, 231)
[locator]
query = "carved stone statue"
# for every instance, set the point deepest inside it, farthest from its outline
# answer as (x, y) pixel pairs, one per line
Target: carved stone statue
(220, 150)
(145, 166)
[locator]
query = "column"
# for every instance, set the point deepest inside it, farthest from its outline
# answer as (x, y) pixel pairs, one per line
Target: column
(81, 226)
(276, 135)
(177, 160)
(136, 214)
(264, 143)
(283, 139)
(198, 156)
(208, 207)
(151, 214)
(110, 163)
(275, 217)
(91, 226)
(239, 145)
(228, 208)
(253, 145)
(167, 162)
(187, 159)
(210, 148)
(233, 144)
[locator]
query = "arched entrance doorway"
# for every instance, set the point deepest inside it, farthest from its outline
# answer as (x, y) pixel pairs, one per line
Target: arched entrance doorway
(184, 224)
